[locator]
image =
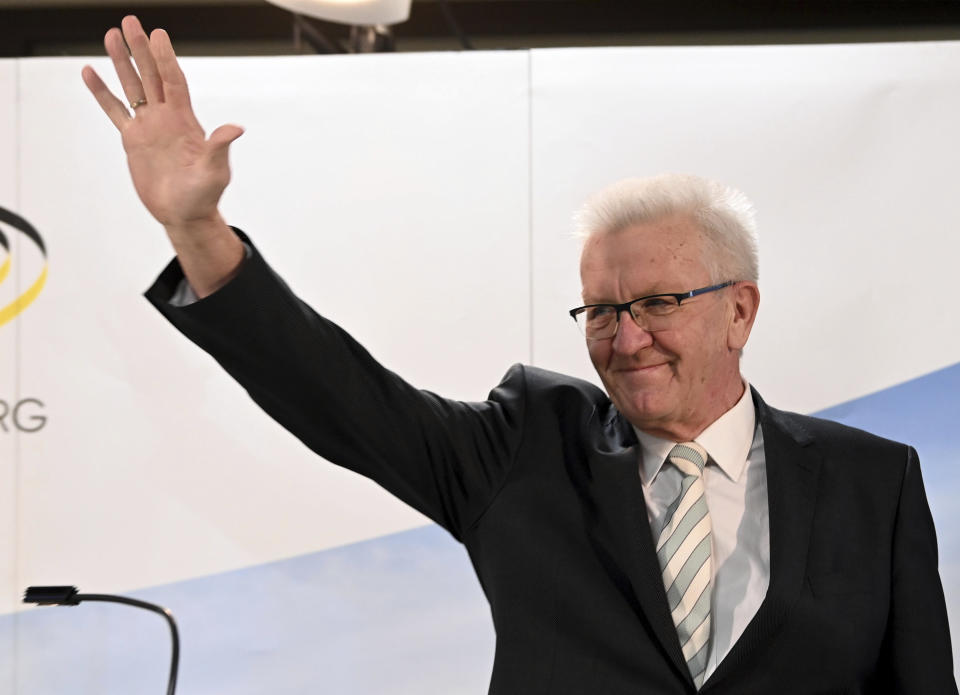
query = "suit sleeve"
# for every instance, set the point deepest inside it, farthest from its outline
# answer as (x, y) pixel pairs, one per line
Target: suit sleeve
(445, 458)
(918, 649)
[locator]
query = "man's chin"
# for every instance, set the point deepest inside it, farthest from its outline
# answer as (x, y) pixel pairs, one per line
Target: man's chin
(646, 413)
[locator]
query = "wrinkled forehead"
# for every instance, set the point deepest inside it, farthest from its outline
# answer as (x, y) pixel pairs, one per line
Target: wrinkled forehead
(655, 256)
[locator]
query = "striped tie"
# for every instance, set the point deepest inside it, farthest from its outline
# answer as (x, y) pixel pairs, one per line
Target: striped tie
(683, 550)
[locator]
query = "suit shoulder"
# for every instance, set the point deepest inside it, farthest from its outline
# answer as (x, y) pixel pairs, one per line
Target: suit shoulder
(543, 383)
(838, 437)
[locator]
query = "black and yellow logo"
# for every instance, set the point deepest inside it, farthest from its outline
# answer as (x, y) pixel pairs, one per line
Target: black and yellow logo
(9, 311)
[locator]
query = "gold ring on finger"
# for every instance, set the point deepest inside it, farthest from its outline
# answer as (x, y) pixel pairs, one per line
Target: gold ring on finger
(138, 102)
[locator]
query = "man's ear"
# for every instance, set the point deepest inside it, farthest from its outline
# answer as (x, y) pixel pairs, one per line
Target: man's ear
(746, 301)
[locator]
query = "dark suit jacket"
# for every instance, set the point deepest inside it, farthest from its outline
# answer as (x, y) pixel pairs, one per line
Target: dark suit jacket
(540, 483)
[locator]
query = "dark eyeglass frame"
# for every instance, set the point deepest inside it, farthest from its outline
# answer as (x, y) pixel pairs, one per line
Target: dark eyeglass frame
(626, 306)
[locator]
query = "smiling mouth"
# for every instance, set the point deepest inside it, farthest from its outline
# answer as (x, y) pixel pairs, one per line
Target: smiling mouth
(646, 368)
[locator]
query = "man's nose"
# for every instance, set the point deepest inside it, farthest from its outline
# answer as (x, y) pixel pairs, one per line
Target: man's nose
(630, 337)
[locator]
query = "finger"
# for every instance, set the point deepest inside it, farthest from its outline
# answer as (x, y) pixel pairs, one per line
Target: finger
(129, 79)
(146, 65)
(174, 83)
(219, 144)
(111, 106)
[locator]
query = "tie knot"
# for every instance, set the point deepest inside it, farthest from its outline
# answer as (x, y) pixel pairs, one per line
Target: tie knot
(688, 455)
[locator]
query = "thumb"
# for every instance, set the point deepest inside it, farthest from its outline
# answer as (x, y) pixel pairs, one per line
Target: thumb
(219, 143)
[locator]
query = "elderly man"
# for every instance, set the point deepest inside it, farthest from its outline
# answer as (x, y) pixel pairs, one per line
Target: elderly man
(673, 535)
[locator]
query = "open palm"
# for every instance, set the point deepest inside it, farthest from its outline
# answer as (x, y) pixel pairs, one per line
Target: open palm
(177, 171)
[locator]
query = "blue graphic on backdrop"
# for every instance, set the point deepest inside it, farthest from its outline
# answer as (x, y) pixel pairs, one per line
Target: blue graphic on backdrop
(397, 615)
(402, 614)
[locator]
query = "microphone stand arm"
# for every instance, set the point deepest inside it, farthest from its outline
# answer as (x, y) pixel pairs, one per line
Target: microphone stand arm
(68, 596)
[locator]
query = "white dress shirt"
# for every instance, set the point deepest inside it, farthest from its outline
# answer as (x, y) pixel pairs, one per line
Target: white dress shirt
(735, 483)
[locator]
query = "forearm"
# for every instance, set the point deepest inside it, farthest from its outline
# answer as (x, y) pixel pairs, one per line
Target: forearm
(209, 253)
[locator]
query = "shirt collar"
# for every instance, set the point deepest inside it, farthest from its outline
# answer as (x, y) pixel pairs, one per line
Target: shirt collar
(727, 441)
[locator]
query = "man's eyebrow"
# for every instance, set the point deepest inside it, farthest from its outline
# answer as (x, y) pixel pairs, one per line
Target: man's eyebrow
(647, 293)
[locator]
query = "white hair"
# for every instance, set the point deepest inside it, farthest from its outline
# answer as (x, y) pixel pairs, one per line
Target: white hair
(724, 215)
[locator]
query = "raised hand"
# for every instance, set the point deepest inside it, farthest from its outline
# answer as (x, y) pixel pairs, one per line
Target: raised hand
(177, 171)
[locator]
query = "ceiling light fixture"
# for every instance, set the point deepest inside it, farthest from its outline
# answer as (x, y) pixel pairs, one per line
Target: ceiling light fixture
(352, 12)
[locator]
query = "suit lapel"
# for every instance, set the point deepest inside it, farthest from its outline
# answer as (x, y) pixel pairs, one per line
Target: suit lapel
(621, 530)
(624, 541)
(793, 467)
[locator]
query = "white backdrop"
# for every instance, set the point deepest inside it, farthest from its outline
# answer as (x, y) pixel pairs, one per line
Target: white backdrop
(8, 364)
(376, 182)
(849, 154)
(370, 188)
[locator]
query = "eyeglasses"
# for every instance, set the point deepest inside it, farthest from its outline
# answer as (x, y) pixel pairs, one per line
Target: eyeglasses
(655, 312)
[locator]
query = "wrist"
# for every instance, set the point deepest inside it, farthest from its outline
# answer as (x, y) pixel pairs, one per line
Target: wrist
(209, 251)
(199, 233)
